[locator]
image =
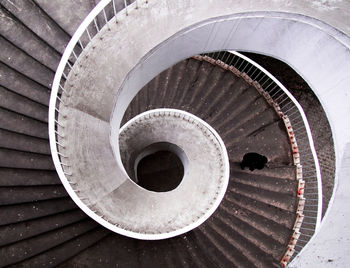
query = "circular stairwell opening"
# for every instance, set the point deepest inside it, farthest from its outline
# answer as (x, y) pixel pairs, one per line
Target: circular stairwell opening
(159, 169)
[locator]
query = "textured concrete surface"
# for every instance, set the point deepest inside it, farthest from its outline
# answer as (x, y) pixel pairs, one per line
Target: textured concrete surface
(141, 213)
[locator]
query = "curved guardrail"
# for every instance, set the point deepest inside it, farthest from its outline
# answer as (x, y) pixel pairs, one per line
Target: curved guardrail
(309, 211)
(305, 155)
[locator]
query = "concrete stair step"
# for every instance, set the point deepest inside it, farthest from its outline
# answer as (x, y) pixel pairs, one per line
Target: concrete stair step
(39, 22)
(271, 141)
(265, 225)
(223, 252)
(27, 177)
(187, 253)
(224, 91)
(174, 82)
(23, 230)
(284, 186)
(59, 12)
(249, 113)
(28, 194)
(23, 85)
(212, 85)
(156, 253)
(28, 248)
(67, 250)
(237, 100)
(206, 242)
(18, 159)
(273, 213)
(256, 256)
(25, 39)
(197, 85)
(20, 142)
(259, 121)
(152, 95)
(237, 110)
(23, 63)
(22, 124)
(164, 86)
(279, 200)
(188, 79)
(266, 243)
(198, 257)
(19, 104)
(28, 211)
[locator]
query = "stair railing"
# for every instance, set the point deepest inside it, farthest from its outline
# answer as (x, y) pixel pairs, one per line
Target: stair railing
(104, 13)
(309, 212)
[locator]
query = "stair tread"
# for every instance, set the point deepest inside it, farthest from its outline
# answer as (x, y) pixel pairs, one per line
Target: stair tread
(27, 177)
(19, 231)
(164, 85)
(195, 256)
(17, 103)
(267, 210)
(30, 247)
(76, 11)
(201, 95)
(239, 108)
(27, 194)
(23, 212)
(39, 22)
(251, 112)
(263, 119)
(187, 80)
(269, 227)
(254, 254)
(18, 159)
(204, 244)
(221, 93)
(20, 142)
(25, 64)
(174, 82)
(26, 40)
(224, 105)
(266, 243)
(271, 141)
(283, 201)
(287, 186)
(222, 250)
(196, 86)
(22, 124)
(63, 252)
(23, 85)
(112, 253)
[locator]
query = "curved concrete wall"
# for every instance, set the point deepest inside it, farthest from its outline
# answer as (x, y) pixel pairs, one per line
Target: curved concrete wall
(316, 50)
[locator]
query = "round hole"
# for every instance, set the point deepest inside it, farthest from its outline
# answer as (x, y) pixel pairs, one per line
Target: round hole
(161, 171)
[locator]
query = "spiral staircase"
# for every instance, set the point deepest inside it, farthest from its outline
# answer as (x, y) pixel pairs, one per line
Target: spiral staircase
(41, 225)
